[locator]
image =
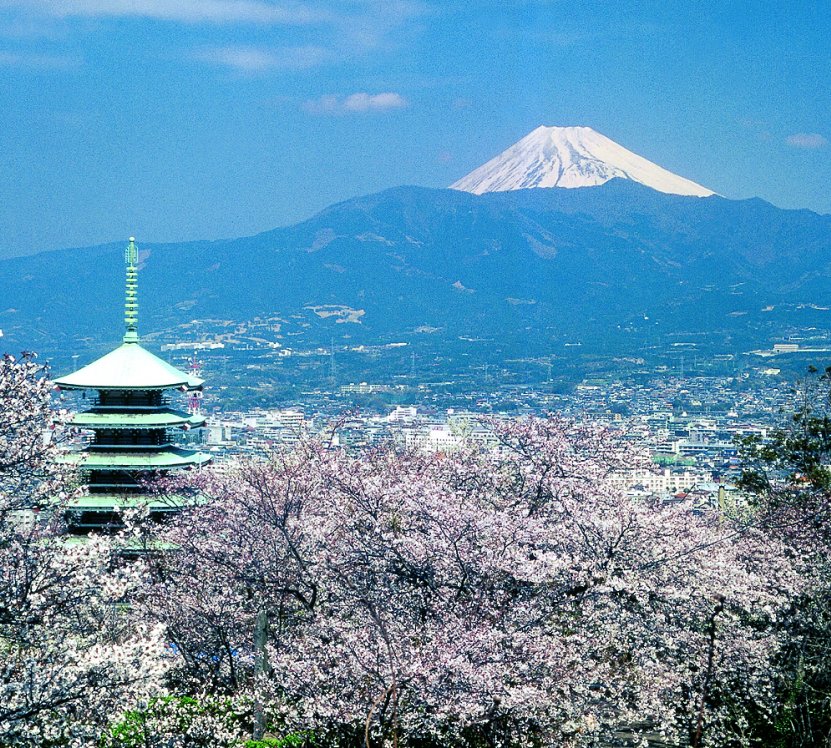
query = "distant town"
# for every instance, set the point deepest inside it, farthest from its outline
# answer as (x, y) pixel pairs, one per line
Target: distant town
(689, 426)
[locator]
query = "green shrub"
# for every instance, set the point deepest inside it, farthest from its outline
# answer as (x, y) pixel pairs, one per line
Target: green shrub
(179, 722)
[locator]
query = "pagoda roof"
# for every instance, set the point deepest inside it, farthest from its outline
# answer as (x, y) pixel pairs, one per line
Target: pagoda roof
(152, 419)
(149, 459)
(109, 502)
(128, 367)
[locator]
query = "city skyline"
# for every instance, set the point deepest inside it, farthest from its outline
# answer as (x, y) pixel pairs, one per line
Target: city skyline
(181, 120)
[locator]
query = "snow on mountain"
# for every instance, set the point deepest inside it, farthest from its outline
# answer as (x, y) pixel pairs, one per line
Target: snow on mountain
(570, 157)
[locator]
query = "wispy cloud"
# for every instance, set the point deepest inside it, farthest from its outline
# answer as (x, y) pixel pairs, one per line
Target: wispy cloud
(344, 31)
(33, 61)
(369, 24)
(806, 140)
(356, 102)
(758, 127)
(184, 11)
(249, 59)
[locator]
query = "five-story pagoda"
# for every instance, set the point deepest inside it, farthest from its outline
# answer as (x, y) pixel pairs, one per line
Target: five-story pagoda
(132, 422)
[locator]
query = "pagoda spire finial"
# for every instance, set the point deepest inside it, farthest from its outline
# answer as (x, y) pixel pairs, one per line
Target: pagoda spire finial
(131, 297)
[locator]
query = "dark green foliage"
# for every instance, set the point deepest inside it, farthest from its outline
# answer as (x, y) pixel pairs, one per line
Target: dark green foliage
(188, 722)
(183, 721)
(304, 739)
(799, 453)
(790, 480)
(804, 715)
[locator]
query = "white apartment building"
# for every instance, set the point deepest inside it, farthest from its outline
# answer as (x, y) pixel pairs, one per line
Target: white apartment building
(662, 481)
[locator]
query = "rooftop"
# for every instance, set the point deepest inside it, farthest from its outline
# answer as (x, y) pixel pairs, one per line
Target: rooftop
(163, 458)
(111, 419)
(128, 367)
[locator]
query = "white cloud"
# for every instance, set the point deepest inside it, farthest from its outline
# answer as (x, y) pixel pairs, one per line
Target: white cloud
(356, 102)
(185, 11)
(806, 140)
(363, 102)
(247, 59)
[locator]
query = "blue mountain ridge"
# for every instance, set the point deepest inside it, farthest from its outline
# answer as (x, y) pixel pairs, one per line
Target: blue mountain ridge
(619, 268)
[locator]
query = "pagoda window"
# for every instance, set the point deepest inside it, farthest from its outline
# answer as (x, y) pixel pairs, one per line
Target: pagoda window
(82, 522)
(104, 481)
(130, 398)
(130, 438)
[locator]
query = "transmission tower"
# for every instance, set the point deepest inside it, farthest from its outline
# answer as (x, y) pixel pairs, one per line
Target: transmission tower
(195, 396)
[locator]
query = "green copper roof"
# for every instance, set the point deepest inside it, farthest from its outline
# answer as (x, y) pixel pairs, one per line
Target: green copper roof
(161, 459)
(166, 418)
(108, 502)
(128, 367)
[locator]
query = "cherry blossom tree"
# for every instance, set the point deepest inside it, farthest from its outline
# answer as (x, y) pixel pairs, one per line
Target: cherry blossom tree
(502, 597)
(29, 475)
(70, 656)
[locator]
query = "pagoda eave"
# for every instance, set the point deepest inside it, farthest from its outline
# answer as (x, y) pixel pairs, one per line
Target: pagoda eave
(91, 419)
(138, 461)
(114, 502)
(129, 367)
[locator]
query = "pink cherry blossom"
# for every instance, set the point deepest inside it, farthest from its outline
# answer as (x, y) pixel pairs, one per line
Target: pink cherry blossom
(505, 597)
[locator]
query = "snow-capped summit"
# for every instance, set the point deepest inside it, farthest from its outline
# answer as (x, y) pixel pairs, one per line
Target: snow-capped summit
(570, 157)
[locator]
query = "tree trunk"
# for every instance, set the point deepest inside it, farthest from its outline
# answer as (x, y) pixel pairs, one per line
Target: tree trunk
(260, 667)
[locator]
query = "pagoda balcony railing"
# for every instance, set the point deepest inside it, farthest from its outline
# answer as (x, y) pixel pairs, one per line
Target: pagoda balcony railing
(87, 439)
(96, 404)
(131, 409)
(131, 447)
(87, 443)
(96, 478)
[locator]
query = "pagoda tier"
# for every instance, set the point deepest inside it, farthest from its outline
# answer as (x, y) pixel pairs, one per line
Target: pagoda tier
(133, 418)
(131, 443)
(121, 457)
(129, 368)
(133, 426)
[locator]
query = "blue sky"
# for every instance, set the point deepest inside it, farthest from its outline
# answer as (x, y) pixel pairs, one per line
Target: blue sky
(189, 119)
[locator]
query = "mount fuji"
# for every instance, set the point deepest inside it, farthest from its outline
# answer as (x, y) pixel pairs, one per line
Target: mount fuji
(571, 157)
